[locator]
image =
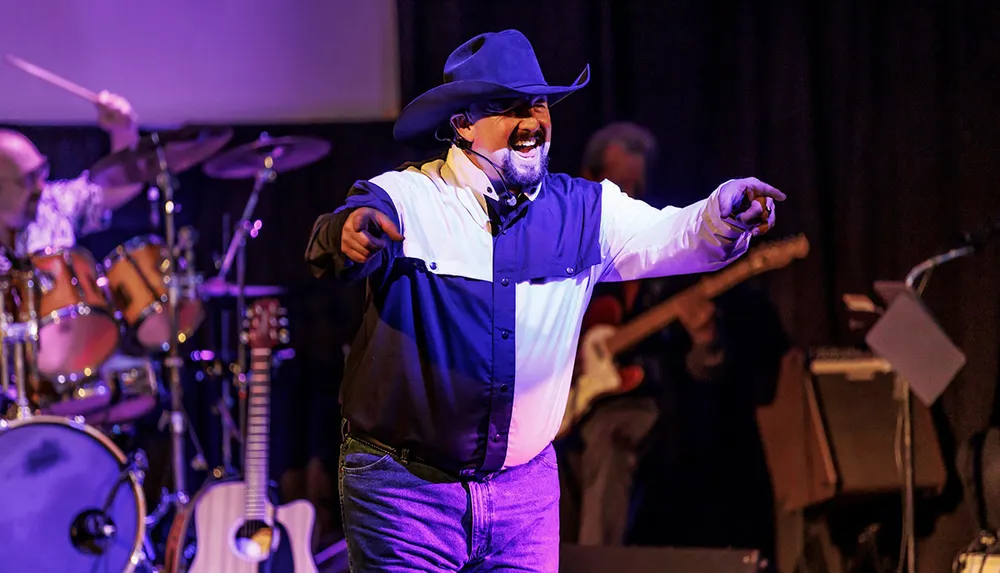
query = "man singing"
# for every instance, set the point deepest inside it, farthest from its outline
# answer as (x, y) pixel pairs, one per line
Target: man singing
(480, 265)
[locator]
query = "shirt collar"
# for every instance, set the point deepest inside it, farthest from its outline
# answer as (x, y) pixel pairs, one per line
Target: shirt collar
(468, 174)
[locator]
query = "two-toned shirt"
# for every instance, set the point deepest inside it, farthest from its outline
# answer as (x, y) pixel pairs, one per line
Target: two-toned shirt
(468, 341)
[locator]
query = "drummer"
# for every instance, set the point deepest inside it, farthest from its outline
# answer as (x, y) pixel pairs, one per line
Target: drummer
(36, 213)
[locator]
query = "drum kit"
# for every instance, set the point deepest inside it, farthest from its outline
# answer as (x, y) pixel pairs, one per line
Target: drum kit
(66, 320)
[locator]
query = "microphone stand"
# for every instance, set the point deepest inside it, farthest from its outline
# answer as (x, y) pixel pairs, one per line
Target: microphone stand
(237, 252)
(905, 396)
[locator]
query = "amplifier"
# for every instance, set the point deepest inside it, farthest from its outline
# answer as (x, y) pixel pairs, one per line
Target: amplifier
(833, 427)
(859, 404)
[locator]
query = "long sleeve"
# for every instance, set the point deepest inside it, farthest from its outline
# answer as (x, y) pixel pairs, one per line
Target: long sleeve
(639, 241)
(323, 254)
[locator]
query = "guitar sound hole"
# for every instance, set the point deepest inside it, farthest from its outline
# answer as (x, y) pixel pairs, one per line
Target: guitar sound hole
(254, 538)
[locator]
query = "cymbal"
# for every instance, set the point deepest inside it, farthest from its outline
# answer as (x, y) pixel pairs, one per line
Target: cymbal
(216, 288)
(285, 153)
(184, 148)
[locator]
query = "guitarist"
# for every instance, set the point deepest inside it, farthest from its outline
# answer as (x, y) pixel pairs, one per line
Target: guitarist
(598, 457)
(663, 434)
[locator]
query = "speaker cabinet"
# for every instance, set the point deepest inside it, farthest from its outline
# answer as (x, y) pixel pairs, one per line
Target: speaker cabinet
(833, 431)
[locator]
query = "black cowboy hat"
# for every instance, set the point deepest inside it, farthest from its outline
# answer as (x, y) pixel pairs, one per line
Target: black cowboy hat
(489, 66)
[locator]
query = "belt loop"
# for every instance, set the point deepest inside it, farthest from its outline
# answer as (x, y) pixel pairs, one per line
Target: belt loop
(404, 456)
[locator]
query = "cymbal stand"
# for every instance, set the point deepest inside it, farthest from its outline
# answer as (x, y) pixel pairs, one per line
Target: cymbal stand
(165, 181)
(237, 251)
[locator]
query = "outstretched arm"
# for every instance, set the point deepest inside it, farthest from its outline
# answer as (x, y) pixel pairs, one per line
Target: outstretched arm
(639, 241)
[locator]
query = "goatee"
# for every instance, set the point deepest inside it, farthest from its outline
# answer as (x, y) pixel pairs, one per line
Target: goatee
(523, 177)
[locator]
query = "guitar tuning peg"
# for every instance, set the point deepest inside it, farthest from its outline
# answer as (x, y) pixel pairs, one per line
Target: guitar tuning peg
(244, 338)
(283, 322)
(283, 336)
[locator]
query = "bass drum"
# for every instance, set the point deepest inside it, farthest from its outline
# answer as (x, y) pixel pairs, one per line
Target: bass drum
(55, 475)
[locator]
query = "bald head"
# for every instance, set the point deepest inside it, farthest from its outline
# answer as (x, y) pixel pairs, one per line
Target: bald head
(18, 156)
(23, 173)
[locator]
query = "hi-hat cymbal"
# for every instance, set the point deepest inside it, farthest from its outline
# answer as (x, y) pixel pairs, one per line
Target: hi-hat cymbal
(216, 288)
(279, 154)
(184, 148)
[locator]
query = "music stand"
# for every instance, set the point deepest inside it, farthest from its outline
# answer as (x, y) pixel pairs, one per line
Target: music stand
(925, 361)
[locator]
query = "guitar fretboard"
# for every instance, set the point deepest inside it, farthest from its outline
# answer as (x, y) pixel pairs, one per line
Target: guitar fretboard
(663, 314)
(258, 433)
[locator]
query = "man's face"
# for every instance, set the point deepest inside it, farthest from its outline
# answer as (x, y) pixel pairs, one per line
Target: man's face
(625, 169)
(515, 134)
(23, 174)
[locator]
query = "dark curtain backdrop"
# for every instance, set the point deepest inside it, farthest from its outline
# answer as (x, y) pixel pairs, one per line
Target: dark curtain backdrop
(879, 119)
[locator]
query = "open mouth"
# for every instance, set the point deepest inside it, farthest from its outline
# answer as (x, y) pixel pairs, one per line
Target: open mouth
(526, 145)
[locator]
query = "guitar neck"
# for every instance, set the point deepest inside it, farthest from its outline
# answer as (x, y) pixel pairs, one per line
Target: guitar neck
(666, 312)
(256, 454)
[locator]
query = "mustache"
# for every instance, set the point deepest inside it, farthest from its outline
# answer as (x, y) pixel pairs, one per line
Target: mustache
(538, 134)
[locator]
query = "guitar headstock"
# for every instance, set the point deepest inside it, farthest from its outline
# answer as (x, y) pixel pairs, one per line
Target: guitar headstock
(777, 254)
(265, 324)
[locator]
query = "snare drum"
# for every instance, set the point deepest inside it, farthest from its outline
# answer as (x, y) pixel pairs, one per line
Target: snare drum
(137, 273)
(124, 390)
(56, 475)
(77, 328)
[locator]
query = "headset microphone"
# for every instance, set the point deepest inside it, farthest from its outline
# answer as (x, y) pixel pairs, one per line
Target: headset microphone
(506, 196)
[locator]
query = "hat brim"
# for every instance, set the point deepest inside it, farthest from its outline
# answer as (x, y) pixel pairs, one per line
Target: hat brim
(433, 108)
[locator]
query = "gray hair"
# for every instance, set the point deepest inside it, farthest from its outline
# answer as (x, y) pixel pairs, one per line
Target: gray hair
(633, 137)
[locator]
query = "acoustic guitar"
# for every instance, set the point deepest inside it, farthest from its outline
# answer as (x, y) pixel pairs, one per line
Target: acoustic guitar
(237, 528)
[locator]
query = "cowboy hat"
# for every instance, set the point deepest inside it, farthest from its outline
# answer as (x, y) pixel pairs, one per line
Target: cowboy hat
(489, 66)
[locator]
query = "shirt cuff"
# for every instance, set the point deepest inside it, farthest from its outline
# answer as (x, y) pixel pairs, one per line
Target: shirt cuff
(728, 227)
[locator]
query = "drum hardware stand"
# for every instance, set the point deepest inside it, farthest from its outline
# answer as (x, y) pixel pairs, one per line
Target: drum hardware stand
(21, 336)
(5, 282)
(166, 183)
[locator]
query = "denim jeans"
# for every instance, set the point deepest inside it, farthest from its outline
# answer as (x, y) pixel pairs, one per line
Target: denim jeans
(413, 517)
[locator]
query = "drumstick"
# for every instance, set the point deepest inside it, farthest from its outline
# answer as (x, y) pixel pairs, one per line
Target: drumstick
(53, 79)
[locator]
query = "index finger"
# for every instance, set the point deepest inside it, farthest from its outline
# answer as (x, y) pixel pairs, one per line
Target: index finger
(761, 189)
(388, 226)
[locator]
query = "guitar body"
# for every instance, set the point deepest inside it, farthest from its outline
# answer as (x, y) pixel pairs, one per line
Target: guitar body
(218, 516)
(597, 375)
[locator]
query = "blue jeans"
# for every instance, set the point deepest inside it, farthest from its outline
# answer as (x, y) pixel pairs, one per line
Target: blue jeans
(414, 517)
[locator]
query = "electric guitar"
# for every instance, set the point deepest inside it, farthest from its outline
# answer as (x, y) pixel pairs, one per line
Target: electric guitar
(597, 374)
(237, 528)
